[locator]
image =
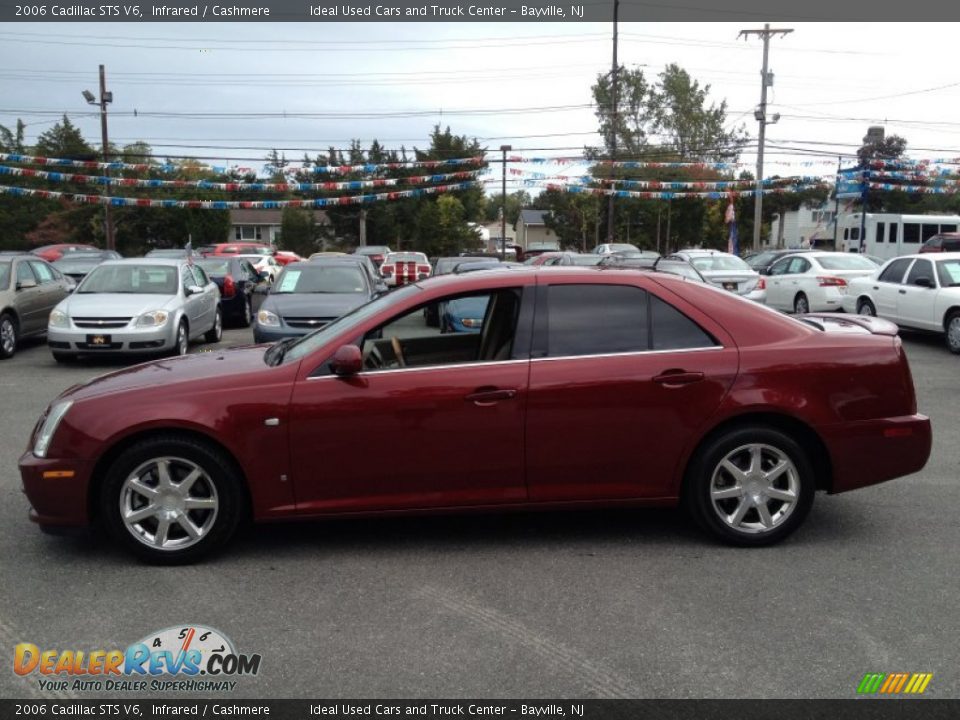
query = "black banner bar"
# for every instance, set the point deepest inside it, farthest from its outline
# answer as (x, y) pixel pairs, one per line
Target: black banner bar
(123, 709)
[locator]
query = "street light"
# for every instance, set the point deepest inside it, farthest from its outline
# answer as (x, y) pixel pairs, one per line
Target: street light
(105, 98)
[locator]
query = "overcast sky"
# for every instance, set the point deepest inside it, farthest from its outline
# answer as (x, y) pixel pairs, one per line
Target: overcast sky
(833, 80)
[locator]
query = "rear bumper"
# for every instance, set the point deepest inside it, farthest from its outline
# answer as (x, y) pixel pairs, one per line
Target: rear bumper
(56, 502)
(874, 451)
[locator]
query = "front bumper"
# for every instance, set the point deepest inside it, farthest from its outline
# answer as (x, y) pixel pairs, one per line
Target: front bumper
(58, 500)
(121, 340)
(263, 334)
(874, 451)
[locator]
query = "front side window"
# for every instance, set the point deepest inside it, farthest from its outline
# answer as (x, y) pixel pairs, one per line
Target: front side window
(781, 267)
(798, 265)
(596, 320)
(922, 269)
(186, 277)
(43, 272)
(25, 273)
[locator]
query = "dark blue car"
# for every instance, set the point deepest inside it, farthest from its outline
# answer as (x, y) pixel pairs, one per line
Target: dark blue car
(236, 279)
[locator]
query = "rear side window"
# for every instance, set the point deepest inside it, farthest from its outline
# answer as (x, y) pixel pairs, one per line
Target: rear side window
(895, 270)
(935, 242)
(672, 330)
(596, 319)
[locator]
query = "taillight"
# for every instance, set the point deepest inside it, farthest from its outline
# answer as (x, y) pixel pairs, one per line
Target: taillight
(423, 269)
(831, 282)
(386, 269)
(229, 287)
(761, 284)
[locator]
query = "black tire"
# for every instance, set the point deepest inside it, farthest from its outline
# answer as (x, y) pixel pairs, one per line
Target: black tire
(247, 317)
(64, 358)
(705, 475)
(220, 473)
(865, 307)
(214, 334)
(801, 306)
(9, 336)
(181, 343)
(951, 327)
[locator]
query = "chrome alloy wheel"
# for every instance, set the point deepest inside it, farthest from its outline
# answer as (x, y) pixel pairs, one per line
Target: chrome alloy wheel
(8, 336)
(168, 503)
(754, 488)
(953, 334)
(183, 342)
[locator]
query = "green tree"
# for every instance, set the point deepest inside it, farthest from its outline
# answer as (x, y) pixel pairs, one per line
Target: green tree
(515, 202)
(64, 140)
(299, 232)
(629, 126)
(12, 142)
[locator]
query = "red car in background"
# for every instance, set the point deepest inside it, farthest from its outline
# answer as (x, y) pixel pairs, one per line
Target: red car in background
(285, 257)
(52, 253)
(238, 248)
(690, 395)
(401, 268)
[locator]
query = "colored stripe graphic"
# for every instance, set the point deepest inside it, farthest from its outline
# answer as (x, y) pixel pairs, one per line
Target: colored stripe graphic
(894, 683)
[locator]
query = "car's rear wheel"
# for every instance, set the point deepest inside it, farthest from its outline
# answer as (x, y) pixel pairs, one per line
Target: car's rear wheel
(171, 499)
(247, 317)
(952, 327)
(214, 334)
(750, 486)
(9, 336)
(865, 307)
(801, 306)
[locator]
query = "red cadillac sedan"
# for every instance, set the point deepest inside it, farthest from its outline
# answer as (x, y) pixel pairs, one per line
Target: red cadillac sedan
(690, 395)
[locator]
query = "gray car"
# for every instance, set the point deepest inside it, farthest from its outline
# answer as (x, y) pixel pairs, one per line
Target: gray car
(29, 290)
(309, 295)
(726, 271)
(138, 305)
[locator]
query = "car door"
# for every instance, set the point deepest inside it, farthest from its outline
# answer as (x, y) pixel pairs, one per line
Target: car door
(444, 430)
(886, 291)
(52, 287)
(192, 302)
(917, 297)
(778, 285)
(210, 297)
(30, 304)
(620, 377)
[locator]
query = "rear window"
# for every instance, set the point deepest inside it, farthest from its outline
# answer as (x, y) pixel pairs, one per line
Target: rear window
(407, 257)
(714, 263)
(216, 268)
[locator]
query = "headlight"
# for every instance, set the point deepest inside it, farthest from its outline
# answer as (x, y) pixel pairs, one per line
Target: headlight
(265, 317)
(154, 318)
(59, 319)
(45, 435)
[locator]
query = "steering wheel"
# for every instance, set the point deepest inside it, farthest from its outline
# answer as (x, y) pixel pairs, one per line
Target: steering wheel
(398, 351)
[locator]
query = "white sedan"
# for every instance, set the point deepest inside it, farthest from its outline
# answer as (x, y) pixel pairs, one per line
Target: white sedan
(918, 292)
(264, 263)
(814, 281)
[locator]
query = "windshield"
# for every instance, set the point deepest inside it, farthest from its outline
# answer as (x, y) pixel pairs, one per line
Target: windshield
(720, 263)
(141, 279)
(317, 339)
(845, 261)
(585, 259)
(321, 278)
(215, 267)
(166, 253)
(762, 260)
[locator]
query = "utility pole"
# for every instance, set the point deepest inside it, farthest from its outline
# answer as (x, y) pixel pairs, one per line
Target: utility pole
(615, 114)
(105, 99)
(503, 203)
(836, 203)
(766, 80)
(363, 227)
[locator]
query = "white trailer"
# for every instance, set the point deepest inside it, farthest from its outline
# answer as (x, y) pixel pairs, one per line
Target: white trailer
(888, 235)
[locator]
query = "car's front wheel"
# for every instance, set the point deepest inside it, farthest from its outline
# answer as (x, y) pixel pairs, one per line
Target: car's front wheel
(952, 327)
(171, 499)
(750, 486)
(865, 307)
(8, 336)
(181, 343)
(214, 334)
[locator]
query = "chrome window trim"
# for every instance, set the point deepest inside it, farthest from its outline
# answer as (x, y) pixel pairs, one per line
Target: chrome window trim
(501, 363)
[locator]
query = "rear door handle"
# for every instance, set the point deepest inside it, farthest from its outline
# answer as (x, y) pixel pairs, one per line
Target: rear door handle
(490, 396)
(676, 378)
(902, 292)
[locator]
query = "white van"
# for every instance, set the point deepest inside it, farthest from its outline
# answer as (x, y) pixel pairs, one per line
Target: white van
(888, 235)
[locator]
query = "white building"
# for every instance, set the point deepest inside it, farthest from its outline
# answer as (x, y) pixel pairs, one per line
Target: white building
(799, 227)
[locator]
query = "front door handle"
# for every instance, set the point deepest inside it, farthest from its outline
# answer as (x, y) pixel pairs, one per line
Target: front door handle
(677, 378)
(486, 396)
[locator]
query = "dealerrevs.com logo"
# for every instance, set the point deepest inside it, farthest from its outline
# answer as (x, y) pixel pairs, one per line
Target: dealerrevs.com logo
(186, 658)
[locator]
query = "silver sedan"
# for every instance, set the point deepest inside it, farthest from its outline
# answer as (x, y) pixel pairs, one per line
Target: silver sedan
(138, 305)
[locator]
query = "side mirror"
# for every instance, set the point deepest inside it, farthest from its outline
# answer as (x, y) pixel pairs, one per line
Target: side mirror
(347, 361)
(923, 282)
(194, 290)
(26, 284)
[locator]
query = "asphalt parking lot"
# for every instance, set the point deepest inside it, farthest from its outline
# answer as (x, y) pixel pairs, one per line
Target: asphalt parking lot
(570, 605)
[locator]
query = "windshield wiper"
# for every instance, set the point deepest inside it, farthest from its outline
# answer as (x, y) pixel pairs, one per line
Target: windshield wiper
(274, 354)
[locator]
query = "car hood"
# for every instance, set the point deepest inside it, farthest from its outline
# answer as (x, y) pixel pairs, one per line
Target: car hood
(115, 304)
(205, 368)
(313, 304)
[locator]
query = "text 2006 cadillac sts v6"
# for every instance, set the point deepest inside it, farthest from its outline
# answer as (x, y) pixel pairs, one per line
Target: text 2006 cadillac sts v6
(588, 387)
